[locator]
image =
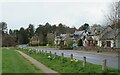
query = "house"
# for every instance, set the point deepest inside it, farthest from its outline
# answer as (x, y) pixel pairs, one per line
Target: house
(34, 40)
(84, 37)
(102, 36)
(63, 41)
(61, 37)
(97, 30)
(78, 35)
(117, 40)
(109, 37)
(58, 39)
(88, 38)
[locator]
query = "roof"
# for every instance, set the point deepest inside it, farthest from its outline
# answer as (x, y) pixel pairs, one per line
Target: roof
(89, 38)
(78, 32)
(110, 35)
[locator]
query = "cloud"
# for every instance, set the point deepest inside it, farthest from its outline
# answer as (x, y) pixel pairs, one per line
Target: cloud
(18, 14)
(58, 0)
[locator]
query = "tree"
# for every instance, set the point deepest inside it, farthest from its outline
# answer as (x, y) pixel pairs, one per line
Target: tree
(8, 40)
(23, 36)
(113, 17)
(43, 30)
(50, 38)
(61, 29)
(41, 33)
(71, 30)
(69, 41)
(3, 26)
(10, 32)
(84, 27)
(48, 28)
(54, 28)
(30, 30)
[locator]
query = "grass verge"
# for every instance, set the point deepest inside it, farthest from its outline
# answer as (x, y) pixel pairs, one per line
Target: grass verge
(67, 67)
(42, 46)
(12, 62)
(0, 60)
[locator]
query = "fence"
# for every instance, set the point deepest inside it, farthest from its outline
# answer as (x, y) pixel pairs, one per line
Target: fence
(103, 65)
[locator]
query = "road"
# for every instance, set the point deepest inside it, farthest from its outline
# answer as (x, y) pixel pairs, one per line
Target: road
(112, 61)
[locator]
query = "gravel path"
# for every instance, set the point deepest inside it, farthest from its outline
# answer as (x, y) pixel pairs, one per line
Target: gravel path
(39, 65)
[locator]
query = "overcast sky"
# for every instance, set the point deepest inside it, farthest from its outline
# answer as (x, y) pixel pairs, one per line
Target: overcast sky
(72, 13)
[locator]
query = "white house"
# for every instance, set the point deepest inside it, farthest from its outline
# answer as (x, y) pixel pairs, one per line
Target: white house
(85, 37)
(61, 37)
(109, 37)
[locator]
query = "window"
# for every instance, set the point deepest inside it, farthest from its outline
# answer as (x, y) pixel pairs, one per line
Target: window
(108, 43)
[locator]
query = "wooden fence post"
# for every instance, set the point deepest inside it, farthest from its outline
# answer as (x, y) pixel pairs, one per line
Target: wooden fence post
(45, 52)
(84, 61)
(104, 65)
(71, 57)
(55, 55)
(50, 53)
(36, 51)
(62, 57)
(42, 51)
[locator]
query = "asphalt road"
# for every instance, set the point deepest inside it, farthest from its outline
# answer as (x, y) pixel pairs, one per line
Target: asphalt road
(112, 61)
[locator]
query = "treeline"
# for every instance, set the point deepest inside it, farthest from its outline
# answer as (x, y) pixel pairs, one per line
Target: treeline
(7, 40)
(23, 36)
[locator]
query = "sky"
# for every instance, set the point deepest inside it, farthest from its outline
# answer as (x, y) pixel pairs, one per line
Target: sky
(73, 13)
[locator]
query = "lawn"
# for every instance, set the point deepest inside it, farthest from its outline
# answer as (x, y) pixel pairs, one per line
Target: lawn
(13, 62)
(66, 66)
(42, 46)
(0, 60)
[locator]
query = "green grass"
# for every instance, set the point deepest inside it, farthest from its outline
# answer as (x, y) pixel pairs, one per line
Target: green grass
(13, 62)
(0, 60)
(42, 46)
(67, 66)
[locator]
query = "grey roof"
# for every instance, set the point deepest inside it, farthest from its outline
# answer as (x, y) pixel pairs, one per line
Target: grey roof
(89, 38)
(78, 32)
(98, 28)
(110, 35)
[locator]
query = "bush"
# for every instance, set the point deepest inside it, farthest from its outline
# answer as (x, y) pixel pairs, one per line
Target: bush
(8, 40)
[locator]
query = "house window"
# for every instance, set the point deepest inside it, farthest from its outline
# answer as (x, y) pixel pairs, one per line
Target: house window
(96, 42)
(108, 43)
(103, 43)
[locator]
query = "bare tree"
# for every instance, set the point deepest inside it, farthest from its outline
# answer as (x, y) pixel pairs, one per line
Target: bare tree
(114, 16)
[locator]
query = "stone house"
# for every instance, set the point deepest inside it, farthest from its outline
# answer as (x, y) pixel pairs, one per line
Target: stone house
(61, 37)
(108, 37)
